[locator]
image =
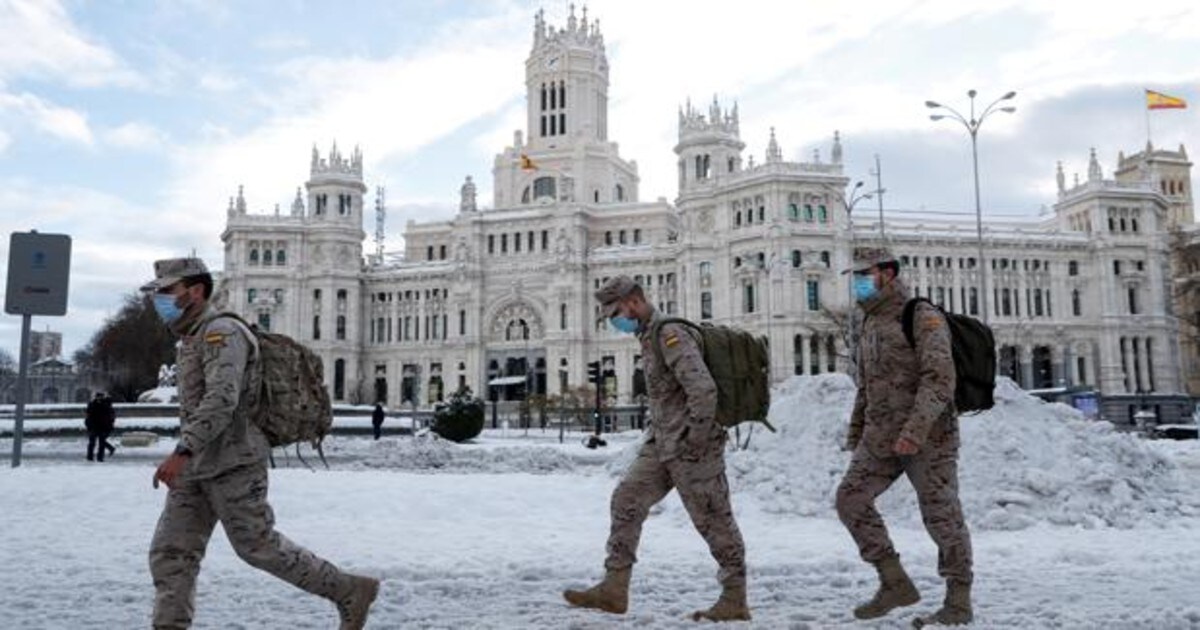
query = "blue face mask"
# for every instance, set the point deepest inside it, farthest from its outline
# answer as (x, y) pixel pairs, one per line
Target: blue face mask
(864, 287)
(625, 324)
(164, 305)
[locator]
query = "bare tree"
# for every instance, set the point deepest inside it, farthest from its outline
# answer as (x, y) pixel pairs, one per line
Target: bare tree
(124, 356)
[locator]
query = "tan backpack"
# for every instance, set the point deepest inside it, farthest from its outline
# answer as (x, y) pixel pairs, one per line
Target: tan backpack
(293, 405)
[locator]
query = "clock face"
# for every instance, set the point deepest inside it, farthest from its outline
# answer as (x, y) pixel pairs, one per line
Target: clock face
(552, 62)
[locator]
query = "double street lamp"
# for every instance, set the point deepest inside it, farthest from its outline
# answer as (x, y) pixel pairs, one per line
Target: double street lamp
(972, 126)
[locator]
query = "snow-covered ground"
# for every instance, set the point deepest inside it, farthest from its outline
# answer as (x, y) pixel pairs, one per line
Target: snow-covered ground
(1074, 527)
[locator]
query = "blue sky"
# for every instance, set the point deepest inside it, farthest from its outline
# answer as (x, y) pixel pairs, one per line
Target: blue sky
(129, 124)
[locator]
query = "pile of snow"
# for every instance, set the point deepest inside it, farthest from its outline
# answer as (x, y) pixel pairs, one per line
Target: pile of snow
(167, 394)
(429, 453)
(1023, 462)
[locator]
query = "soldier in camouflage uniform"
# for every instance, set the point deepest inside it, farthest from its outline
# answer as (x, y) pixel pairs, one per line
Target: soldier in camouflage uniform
(218, 471)
(904, 422)
(684, 449)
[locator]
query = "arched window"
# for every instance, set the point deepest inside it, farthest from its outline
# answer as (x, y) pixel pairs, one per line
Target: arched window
(281, 257)
(254, 257)
(620, 192)
(796, 259)
(267, 257)
(543, 187)
(562, 316)
(707, 167)
(341, 327)
(1076, 303)
(822, 214)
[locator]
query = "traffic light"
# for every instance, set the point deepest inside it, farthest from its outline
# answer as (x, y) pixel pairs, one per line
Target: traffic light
(594, 372)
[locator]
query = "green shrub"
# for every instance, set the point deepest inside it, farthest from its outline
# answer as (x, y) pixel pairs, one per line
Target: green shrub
(460, 419)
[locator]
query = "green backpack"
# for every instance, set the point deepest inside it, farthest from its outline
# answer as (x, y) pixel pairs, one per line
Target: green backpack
(740, 366)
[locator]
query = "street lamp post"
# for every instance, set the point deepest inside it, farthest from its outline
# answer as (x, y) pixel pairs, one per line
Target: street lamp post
(972, 126)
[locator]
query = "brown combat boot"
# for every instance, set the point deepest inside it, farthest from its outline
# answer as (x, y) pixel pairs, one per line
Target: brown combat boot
(956, 608)
(610, 595)
(355, 605)
(895, 590)
(731, 606)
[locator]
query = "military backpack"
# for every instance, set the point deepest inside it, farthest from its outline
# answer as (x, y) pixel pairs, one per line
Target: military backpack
(739, 364)
(974, 349)
(293, 405)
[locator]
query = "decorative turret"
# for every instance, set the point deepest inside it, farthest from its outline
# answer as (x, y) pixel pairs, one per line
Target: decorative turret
(837, 148)
(336, 164)
(1094, 172)
(1061, 178)
(335, 187)
(709, 145)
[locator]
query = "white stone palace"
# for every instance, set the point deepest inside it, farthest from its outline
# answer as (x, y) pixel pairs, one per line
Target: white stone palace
(499, 298)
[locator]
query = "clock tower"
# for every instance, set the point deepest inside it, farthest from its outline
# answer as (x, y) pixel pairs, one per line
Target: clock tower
(566, 81)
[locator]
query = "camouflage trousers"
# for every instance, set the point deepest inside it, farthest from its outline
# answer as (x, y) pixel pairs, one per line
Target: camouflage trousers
(238, 500)
(934, 476)
(705, 494)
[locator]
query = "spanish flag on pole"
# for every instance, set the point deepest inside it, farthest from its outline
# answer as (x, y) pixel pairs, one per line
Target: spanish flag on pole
(1158, 100)
(527, 164)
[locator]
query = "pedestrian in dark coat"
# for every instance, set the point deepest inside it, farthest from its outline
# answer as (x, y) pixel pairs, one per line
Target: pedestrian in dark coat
(377, 417)
(99, 422)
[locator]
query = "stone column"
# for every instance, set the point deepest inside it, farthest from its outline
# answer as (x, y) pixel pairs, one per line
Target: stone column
(1127, 366)
(1025, 358)
(1143, 358)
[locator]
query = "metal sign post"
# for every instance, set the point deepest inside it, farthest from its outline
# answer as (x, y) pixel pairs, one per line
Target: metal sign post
(39, 269)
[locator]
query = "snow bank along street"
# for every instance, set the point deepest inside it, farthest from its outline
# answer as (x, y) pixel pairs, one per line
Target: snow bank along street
(1075, 526)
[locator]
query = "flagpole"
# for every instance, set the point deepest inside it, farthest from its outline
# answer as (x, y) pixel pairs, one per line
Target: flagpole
(1149, 139)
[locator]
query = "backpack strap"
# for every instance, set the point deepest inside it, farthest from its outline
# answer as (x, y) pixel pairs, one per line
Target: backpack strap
(656, 328)
(906, 320)
(245, 327)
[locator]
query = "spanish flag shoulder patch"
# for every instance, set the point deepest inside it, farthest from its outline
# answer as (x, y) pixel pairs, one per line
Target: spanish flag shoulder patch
(214, 338)
(671, 340)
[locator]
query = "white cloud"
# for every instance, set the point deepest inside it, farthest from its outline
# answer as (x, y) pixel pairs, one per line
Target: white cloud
(389, 107)
(62, 122)
(215, 81)
(41, 40)
(136, 135)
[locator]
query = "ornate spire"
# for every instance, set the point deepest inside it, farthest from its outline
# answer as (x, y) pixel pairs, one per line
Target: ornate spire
(467, 196)
(837, 148)
(1094, 173)
(241, 201)
(773, 152)
(298, 204)
(1062, 180)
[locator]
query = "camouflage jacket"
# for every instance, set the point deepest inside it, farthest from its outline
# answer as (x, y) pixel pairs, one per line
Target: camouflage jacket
(683, 396)
(903, 391)
(218, 380)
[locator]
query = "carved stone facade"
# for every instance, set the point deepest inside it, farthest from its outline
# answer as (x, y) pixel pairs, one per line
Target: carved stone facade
(1081, 296)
